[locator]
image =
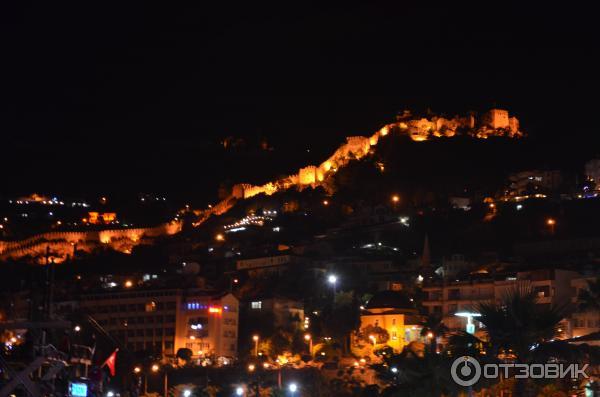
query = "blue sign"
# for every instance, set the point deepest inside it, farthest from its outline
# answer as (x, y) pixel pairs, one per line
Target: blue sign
(471, 328)
(78, 389)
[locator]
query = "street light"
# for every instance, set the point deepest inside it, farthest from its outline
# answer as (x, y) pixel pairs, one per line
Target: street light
(332, 279)
(155, 368)
(308, 338)
(551, 222)
(251, 367)
(77, 328)
(137, 370)
(255, 338)
(293, 388)
(187, 393)
(239, 391)
(373, 339)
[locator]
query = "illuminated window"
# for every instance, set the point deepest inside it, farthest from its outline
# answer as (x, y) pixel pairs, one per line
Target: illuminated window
(151, 306)
(256, 305)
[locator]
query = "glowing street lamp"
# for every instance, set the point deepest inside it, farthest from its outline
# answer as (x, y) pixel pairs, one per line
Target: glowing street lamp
(155, 368)
(308, 338)
(77, 328)
(251, 367)
(373, 339)
(551, 222)
(332, 279)
(137, 370)
(239, 391)
(187, 393)
(293, 387)
(255, 338)
(220, 237)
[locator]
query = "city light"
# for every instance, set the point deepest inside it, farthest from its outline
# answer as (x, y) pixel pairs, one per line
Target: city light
(293, 387)
(155, 367)
(307, 337)
(187, 393)
(255, 338)
(395, 199)
(394, 370)
(332, 279)
(77, 328)
(325, 202)
(239, 391)
(110, 394)
(220, 237)
(137, 370)
(251, 367)
(550, 222)
(128, 284)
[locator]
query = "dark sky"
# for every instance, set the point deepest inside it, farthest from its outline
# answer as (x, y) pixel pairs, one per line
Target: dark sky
(96, 96)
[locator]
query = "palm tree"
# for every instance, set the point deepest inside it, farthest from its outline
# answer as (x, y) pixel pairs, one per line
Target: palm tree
(589, 299)
(433, 328)
(518, 325)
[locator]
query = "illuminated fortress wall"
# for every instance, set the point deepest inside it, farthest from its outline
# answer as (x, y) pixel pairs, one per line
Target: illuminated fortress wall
(495, 122)
(62, 244)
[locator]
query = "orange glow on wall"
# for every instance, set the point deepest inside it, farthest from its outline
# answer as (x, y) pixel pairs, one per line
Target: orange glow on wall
(95, 218)
(215, 310)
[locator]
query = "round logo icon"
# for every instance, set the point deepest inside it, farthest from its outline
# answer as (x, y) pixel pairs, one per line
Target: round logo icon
(465, 371)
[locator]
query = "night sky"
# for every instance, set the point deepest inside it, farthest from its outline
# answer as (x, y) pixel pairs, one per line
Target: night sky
(99, 97)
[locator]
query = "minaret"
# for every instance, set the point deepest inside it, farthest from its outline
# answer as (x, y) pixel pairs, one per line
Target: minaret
(426, 255)
(425, 268)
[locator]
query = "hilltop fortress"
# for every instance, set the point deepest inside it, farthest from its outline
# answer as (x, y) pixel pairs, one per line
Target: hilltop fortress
(495, 122)
(61, 245)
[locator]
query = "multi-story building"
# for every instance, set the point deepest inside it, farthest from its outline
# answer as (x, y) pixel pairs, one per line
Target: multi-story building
(534, 181)
(553, 287)
(583, 321)
(266, 264)
(165, 320)
(592, 172)
(285, 311)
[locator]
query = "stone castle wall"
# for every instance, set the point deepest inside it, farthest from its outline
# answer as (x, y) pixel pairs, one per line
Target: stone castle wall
(357, 147)
(61, 244)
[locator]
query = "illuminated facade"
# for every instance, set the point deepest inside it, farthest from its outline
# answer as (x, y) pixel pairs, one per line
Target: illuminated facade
(496, 118)
(167, 320)
(552, 286)
(390, 311)
(96, 218)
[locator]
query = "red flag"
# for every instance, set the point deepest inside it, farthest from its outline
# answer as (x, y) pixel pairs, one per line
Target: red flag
(110, 362)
